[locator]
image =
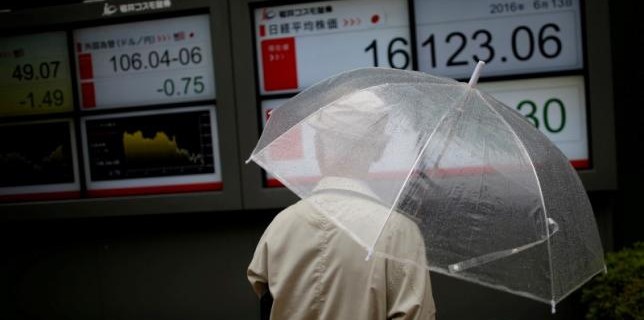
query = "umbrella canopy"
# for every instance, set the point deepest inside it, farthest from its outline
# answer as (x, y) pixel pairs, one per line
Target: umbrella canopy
(495, 201)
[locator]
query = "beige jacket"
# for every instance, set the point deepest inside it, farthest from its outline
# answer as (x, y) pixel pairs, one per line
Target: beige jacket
(314, 270)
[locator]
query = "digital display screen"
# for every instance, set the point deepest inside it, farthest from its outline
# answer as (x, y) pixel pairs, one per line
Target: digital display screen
(151, 152)
(556, 106)
(38, 160)
(300, 44)
(34, 75)
(515, 37)
(145, 63)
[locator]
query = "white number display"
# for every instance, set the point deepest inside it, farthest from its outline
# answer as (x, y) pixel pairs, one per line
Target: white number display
(144, 63)
(299, 45)
(515, 37)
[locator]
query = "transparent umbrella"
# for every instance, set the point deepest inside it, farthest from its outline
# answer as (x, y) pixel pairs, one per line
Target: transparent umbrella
(495, 202)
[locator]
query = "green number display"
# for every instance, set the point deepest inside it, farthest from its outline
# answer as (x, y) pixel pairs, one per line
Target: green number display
(529, 109)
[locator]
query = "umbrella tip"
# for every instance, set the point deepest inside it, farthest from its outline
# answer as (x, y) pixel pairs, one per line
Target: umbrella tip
(475, 75)
(369, 254)
(553, 306)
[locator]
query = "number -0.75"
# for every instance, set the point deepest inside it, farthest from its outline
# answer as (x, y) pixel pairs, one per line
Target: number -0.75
(190, 85)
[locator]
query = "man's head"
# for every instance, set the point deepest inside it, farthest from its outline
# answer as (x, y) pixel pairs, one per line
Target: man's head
(350, 134)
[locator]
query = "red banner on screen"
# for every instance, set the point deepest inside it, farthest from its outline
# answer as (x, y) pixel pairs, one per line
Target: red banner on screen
(580, 164)
(41, 196)
(279, 64)
(85, 67)
(194, 187)
(89, 95)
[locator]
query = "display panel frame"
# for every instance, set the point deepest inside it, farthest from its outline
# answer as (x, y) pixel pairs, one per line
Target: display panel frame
(45, 94)
(597, 73)
(256, 194)
(70, 189)
(366, 33)
(164, 178)
(142, 60)
(601, 119)
(74, 16)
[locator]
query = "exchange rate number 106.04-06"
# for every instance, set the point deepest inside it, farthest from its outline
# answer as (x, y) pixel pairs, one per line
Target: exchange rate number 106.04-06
(134, 62)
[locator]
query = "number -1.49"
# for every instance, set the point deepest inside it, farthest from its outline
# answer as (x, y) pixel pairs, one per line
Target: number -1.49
(53, 98)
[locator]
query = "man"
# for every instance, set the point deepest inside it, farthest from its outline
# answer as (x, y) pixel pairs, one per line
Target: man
(309, 262)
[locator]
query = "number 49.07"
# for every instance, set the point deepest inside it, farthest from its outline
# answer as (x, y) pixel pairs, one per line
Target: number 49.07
(27, 72)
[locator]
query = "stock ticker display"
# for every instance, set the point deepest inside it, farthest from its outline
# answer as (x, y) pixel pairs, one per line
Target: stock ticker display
(536, 43)
(132, 104)
(118, 68)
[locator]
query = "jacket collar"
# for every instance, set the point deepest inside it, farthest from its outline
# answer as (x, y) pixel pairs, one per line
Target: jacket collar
(345, 184)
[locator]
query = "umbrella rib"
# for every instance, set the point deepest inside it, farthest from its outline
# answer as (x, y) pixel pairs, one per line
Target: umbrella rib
(543, 203)
(420, 154)
(493, 256)
(275, 111)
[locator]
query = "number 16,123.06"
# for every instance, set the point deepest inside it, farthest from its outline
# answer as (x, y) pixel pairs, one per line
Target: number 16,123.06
(523, 41)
